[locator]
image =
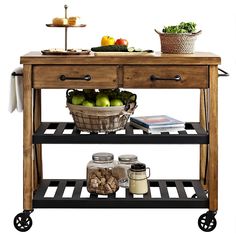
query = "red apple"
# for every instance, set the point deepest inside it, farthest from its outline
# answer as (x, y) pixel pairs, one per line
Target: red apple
(121, 42)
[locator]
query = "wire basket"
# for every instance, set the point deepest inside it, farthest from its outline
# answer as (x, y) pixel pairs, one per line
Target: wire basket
(101, 119)
(178, 42)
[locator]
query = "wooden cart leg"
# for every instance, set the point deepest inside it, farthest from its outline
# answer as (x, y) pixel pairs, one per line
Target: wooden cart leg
(213, 139)
(27, 139)
(204, 147)
(38, 170)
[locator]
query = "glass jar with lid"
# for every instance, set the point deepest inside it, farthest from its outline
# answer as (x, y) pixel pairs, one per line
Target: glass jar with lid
(121, 170)
(138, 178)
(100, 177)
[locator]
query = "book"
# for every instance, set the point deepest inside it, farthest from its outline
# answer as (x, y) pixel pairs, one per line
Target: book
(156, 130)
(159, 121)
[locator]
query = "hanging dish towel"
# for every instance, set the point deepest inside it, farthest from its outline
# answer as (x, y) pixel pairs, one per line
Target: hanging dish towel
(16, 91)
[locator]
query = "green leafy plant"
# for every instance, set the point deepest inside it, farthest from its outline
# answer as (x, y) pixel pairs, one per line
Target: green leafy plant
(183, 27)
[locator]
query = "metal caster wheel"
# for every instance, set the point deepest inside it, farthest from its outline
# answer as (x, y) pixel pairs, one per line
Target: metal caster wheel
(207, 222)
(23, 221)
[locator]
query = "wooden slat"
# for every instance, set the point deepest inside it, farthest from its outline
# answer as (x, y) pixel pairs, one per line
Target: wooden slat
(129, 129)
(43, 127)
(112, 196)
(165, 133)
(148, 194)
(60, 128)
(198, 128)
(75, 131)
(163, 189)
(198, 58)
(93, 195)
(180, 189)
(198, 189)
(60, 190)
(77, 189)
(182, 132)
(128, 194)
(42, 189)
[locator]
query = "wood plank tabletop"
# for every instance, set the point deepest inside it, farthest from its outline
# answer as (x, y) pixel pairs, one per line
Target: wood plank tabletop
(198, 58)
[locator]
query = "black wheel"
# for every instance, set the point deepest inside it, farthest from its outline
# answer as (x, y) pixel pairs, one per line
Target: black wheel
(23, 222)
(207, 222)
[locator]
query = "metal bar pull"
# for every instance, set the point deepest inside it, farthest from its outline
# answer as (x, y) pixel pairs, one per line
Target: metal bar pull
(86, 78)
(154, 77)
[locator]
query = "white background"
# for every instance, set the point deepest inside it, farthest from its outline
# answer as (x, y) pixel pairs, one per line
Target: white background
(23, 29)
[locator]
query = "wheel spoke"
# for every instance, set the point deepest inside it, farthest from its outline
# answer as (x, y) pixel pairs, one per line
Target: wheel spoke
(23, 222)
(207, 222)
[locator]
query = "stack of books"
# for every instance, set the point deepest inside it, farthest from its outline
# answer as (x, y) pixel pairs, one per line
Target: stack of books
(157, 124)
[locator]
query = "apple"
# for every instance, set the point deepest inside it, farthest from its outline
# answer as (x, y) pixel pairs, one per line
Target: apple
(77, 99)
(102, 101)
(116, 102)
(87, 103)
(121, 42)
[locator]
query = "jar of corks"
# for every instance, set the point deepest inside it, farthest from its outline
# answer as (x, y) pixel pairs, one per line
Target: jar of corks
(121, 170)
(100, 176)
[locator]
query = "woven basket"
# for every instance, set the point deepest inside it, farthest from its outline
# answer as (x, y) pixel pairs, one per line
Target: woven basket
(101, 119)
(177, 43)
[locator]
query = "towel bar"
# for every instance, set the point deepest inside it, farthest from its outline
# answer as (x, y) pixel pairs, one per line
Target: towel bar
(16, 74)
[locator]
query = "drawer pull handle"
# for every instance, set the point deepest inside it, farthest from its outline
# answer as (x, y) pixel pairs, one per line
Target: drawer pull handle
(86, 78)
(154, 77)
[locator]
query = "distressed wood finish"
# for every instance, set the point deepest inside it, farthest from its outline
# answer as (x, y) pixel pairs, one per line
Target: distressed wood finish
(213, 139)
(198, 70)
(38, 168)
(191, 76)
(27, 139)
(198, 58)
(203, 147)
(48, 76)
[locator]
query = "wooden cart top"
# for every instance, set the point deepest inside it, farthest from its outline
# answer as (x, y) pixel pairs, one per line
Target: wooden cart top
(198, 58)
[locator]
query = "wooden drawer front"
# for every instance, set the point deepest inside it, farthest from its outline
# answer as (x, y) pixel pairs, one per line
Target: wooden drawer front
(165, 76)
(74, 76)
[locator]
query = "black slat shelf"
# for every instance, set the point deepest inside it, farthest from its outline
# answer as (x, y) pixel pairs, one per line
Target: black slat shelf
(62, 132)
(76, 200)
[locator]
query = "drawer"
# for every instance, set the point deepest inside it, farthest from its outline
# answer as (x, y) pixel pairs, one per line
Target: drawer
(165, 76)
(75, 76)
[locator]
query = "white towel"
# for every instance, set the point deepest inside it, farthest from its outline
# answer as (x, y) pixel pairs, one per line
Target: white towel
(16, 91)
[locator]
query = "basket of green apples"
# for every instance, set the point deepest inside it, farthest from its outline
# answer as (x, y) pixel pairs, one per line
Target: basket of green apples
(102, 110)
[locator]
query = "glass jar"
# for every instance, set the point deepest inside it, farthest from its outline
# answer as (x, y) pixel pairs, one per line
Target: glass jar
(138, 178)
(121, 170)
(100, 177)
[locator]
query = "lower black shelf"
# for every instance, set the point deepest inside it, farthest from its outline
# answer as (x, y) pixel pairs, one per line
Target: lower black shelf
(66, 132)
(77, 200)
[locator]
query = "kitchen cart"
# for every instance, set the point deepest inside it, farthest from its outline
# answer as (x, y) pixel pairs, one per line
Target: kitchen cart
(195, 71)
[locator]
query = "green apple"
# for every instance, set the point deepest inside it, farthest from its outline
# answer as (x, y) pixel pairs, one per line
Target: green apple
(116, 102)
(102, 101)
(87, 103)
(77, 99)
